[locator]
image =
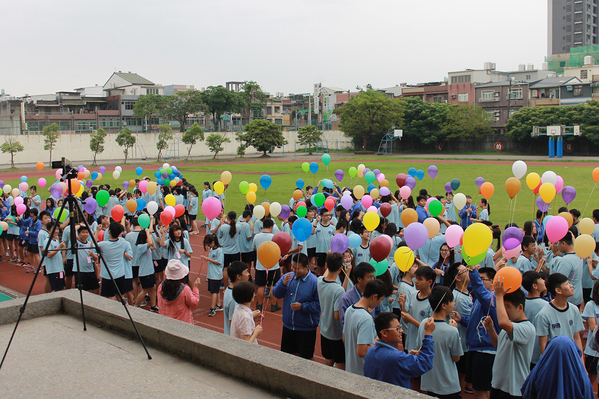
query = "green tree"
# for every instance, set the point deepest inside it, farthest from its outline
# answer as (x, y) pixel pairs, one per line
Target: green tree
(180, 106)
(589, 121)
(125, 139)
(215, 142)
(252, 99)
(466, 122)
(191, 136)
(370, 114)
(166, 134)
(96, 142)
(262, 135)
(423, 122)
(148, 106)
(218, 101)
(12, 147)
(309, 135)
(51, 136)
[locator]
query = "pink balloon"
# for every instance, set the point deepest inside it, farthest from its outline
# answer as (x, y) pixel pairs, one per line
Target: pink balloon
(559, 185)
(41, 182)
(347, 202)
(170, 209)
(24, 186)
(58, 173)
(366, 201)
(143, 186)
(381, 177)
(405, 192)
(453, 234)
(18, 200)
(428, 201)
(556, 228)
(211, 207)
(372, 209)
(21, 209)
(511, 252)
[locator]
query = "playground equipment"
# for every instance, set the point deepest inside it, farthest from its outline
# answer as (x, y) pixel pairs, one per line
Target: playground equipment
(555, 133)
(386, 145)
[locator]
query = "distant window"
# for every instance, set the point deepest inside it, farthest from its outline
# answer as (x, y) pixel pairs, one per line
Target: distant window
(487, 95)
(577, 91)
(277, 110)
(584, 74)
(516, 93)
(528, 77)
(437, 99)
(462, 97)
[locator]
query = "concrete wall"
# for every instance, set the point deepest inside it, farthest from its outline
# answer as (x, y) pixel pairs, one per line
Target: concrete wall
(76, 147)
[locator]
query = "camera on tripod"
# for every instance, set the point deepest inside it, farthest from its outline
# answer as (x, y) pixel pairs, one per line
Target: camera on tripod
(68, 172)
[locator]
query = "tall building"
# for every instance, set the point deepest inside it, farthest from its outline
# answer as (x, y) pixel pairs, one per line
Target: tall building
(571, 23)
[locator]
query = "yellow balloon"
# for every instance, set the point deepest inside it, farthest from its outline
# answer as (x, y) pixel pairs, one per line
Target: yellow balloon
(172, 183)
(371, 220)
(374, 193)
(532, 180)
(404, 258)
(253, 187)
(586, 226)
(170, 200)
(152, 187)
(99, 176)
(358, 191)
(250, 197)
(584, 246)
(80, 190)
(86, 173)
(361, 166)
(477, 239)
(226, 177)
(547, 192)
(219, 187)
(360, 173)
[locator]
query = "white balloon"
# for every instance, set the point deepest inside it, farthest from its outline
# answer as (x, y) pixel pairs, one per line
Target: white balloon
(549, 177)
(275, 209)
(519, 169)
(259, 211)
(116, 174)
(152, 207)
(119, 169)
(459, 201)
(166, 166)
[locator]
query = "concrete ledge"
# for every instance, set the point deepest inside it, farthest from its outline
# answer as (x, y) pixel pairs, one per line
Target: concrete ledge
(267, 368)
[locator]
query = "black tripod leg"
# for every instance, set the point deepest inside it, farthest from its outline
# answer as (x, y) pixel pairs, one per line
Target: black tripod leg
(75, 253)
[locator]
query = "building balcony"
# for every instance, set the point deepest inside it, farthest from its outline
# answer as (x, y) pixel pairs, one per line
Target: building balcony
(488, 100)
(544, 102)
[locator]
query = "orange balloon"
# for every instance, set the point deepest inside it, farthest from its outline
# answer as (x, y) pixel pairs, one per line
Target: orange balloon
(80, 175)
(40, 166)
(595, 175)
(408, 216)
(512, 186)
(131, 205)
(266, 206)
(131, 184)
(487, 189)
(568, 217)
(75, 186)
(297, 194)
(512, 278)
(385, 183)
(269, 254)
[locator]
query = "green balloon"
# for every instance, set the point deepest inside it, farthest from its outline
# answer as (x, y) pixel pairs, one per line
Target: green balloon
(306, 167)
(244, 187)
(379, 267)
(301, 211)
(326, 159)
(352, 172)
(62, 216)
(102, 197)
(167, 182)
(475, 260)
(369, 176)
(319, 199)
(144, 220)
(435, 207)
(169, 170)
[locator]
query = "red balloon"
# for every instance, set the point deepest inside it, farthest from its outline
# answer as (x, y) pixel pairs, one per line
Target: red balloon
(283, 240)
(536, 190)
(166, 218)
(179, 210)
(380, 248)
(101, 235)
(329, 204)
(400, 179)
(117, 213)
(300, 203)
(385, 209)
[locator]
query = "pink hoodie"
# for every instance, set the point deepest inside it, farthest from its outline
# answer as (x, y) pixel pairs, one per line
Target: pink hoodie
(180, 307)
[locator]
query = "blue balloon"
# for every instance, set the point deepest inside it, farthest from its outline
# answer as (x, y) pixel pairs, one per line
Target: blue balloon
(370, 187)
(265, 181)
(420, 174)
(141, 204)
(157, 175)
(171, 176)
(354, 240)
(23, 179)
(302, 229)
(299, 183)
(455, 184)
(328, 183)
(94, 175)
(160, 181)
(314, 167)
(139, 170)
(412, 172)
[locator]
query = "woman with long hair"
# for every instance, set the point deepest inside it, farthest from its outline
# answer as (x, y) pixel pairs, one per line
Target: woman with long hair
(446, 259)
(227, 233)
(177, 247)
(145, 244)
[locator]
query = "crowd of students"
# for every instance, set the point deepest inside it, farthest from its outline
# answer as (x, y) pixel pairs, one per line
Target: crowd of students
(439, 326)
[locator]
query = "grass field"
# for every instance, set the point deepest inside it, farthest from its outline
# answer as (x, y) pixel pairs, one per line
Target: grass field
(285, 174)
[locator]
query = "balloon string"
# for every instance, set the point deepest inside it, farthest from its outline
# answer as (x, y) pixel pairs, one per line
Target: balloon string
(585, 207)
(263, 302)
(514, 209)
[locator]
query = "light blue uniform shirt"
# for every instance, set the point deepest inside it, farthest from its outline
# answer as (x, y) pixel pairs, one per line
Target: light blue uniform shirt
(54, 264)
(131, 238)
(329, 295)
(229, 305)
(531, 310)
(113, 254)
(571, 266)
(215, 272)
(429, 252)
(128, 264)
(324, 234)
(361, 254)
(173, 253)
(419, 309)
(85, 260)
(551, 322)
(591, 310)
(358, 329)
(463, 305)
(244, 231)
(144, 257)
(230, 244)
(193, 202)
(524, 264)
(259, 239)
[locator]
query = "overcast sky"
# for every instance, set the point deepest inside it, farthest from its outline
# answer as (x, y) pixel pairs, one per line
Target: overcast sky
(286, 46)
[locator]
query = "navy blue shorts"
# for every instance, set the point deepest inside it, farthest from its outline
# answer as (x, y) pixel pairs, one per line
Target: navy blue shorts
(108, 289)
(56, 281)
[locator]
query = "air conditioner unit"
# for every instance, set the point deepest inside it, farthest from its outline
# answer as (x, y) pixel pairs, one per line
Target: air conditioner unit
(496, 94)
(453, 96)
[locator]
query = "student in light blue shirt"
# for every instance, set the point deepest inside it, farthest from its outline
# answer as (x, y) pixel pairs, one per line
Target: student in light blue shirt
(87, 257)
(113, 252)
(237, 271)
(36, 200)
(485, 210)
(227, 234)
(571, 266)
(192, 210)
(147, 278)
(362, 252)
(53, 262)
(176, 245)
(323, 233)
(526, 261)
(245, 236)
(534, 284)
(215, 261)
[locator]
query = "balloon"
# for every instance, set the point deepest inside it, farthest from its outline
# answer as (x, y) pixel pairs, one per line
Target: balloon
(326, 159)
(23, 179)
(549, 177)
(374, 193)
(536, 190)
(412, 172)
(510, 253)
(23, 186)
(559, 185)
(143, 186)
(152, 207)
(306, 167)
(125, 185)
(297, 194)
(329, 204)
(94, 175)
(385, 183)
(117, 213)
(432, 226)
(99, 176)
(477, 239)
(512, 278)
(420, 174)
(568, 194)
(253, 187)
(339, 174)
(269, 254)
(453, 234)
(116, 174)
(366, 201)
(144, 220)
(352, 172)
(479, 181)
(250, 197)
(301, 211)
(546, 219)
(219, 188)
(299, 183)
(266, 205)
(455, 184)
(244, 187)
(119, 169)
(139, 170)
(556, 228)
(302, 229)
(358, 192)
(102, 169)
(347, 202)
(60, 216)
(371, 220)
(512, 187)
(568, 217)
(285, 211)
(361, 166)
(435, 207)
(380, 248)
(90, 205)
(169, 199)
(409, 216)
(519, 169)
(512, 233)
(355, 240)
(171, 210)
(39, 165)
(459, 201)
(404, 258)
(372, 209)
(166, 218)
(543, 207)
(275, 209)
(339, 243)
(584, 246)
(532, 180)
(259, 211)
(152, 187)
(314, 167)
(226, 177)
(595, 175)
(18, 200)
(586, 226)
(102, 197)
(385, 191)
(284, 241)
(318, 199)
(416, 235)
(179, 210)
(547, 192)
(369, 176)
(410, 182)
(265, 181)
(487, 190)
(448, 187)
(166, 165)
(473, 260)
(385, 209)
(400, 179)
(131, 206)
(405, 192)
(211, 207)
(432, 171)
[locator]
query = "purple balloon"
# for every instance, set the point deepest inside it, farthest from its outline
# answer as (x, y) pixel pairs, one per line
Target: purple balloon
(542, 205)
(347, 202)
(376, 172)
(366, 170)
(80, 168)
(479, 181)
(512, 232)
(339, 243)
(568, 194)
(339, 174)
(416, 235)
(125, 185)
(1, 184)
(102, 169)
(384, 191)
(285, 211)
(410, 182)
(432, 171)
(447, 187)
(56, 190)
(511, 243)
(90, 204)
(89, 183)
